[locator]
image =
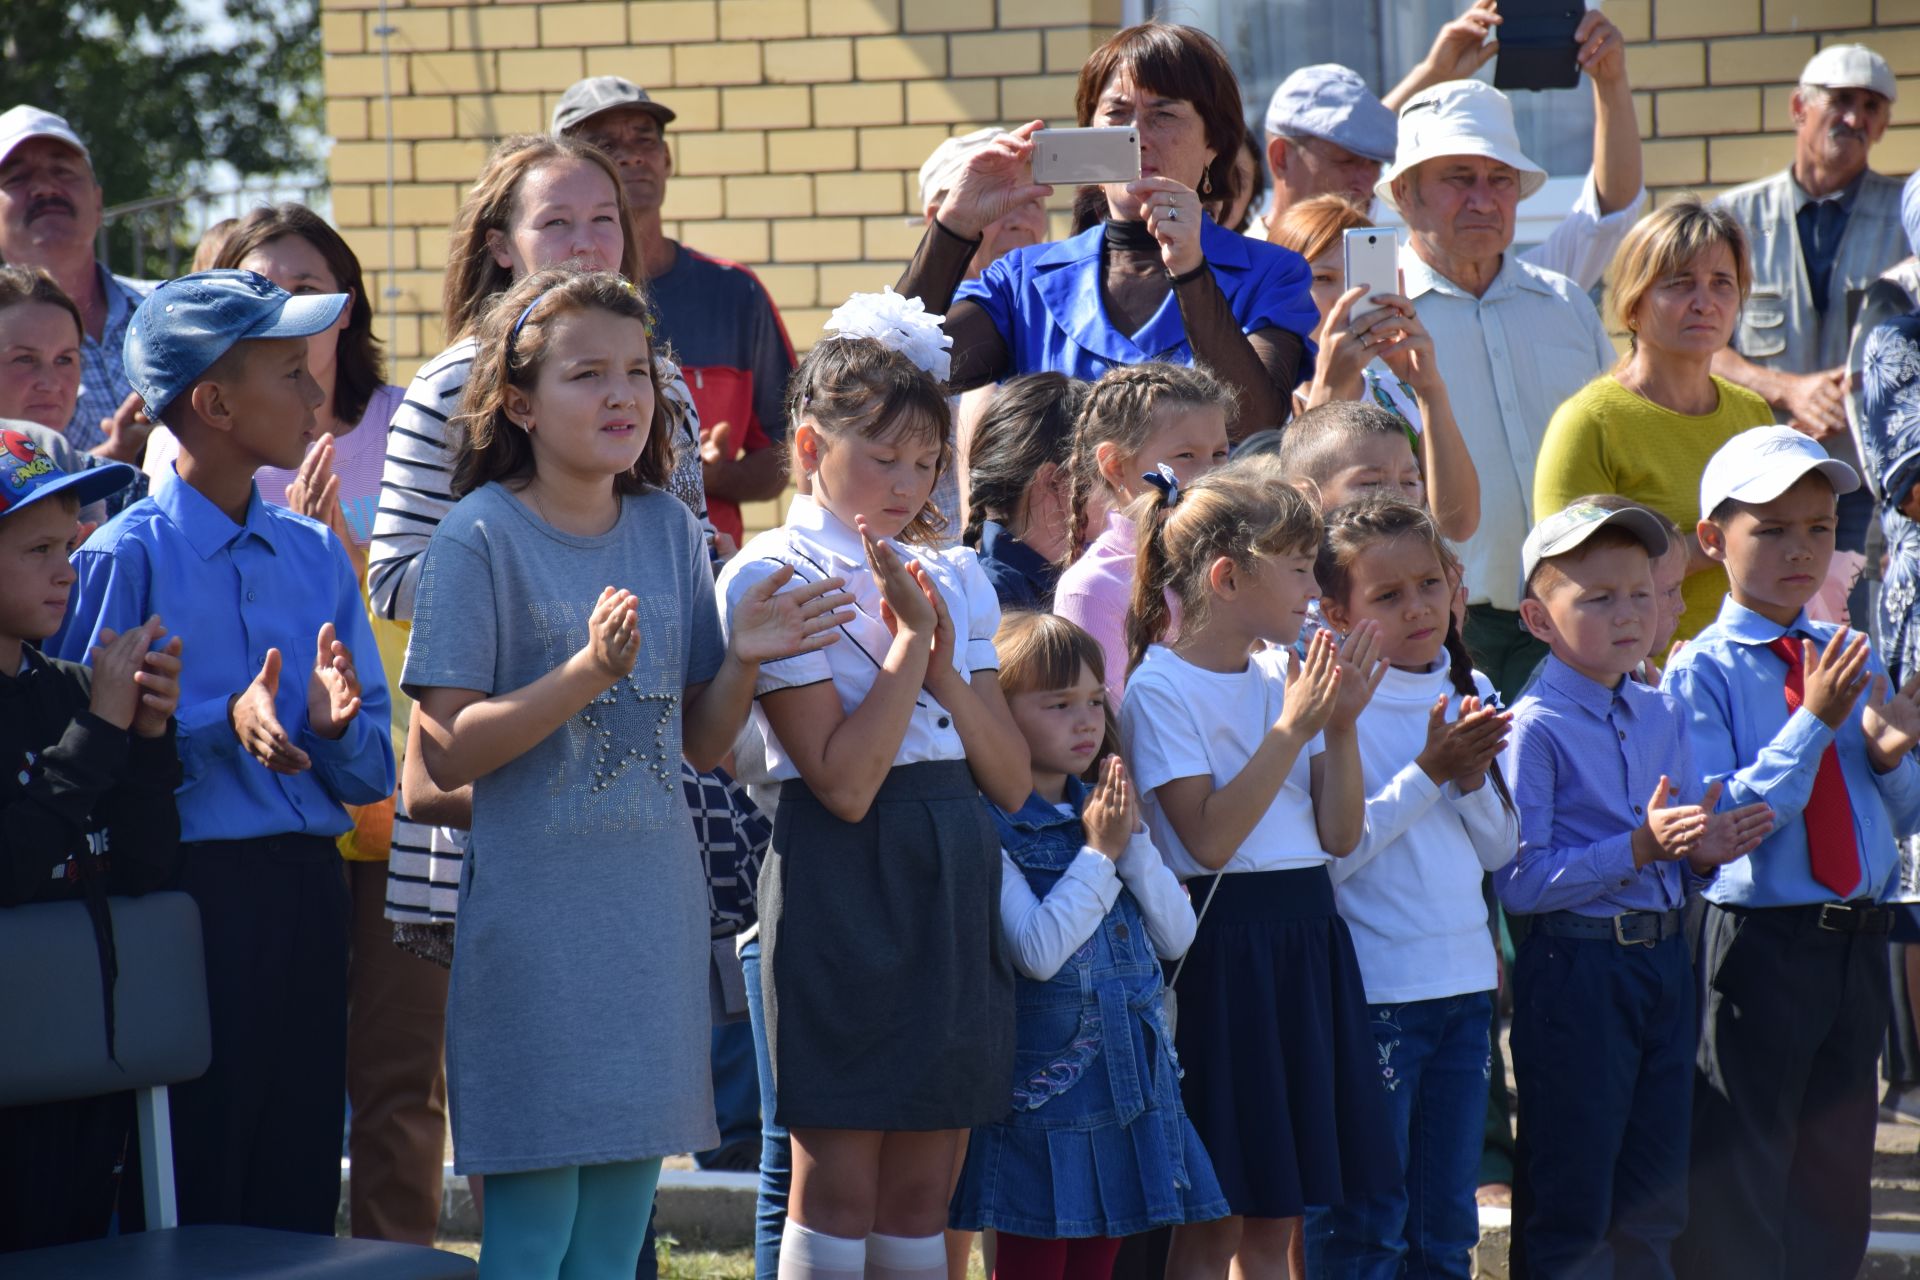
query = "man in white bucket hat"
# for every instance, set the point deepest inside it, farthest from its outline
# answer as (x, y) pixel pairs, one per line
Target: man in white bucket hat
(1513, 340)
(1822, 230)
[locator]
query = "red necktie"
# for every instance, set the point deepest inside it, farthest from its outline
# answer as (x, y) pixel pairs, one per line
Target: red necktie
(1832, 855)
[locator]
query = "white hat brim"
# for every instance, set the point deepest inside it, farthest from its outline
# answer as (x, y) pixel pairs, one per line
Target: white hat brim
(1767, 487)
(1532, 176)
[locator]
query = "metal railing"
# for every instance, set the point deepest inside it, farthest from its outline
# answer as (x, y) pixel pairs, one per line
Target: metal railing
(162, 230)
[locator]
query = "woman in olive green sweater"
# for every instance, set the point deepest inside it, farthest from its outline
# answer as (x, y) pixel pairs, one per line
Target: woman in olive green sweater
(1646, 429)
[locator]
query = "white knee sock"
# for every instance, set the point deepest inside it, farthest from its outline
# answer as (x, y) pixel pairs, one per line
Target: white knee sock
(906, 1257)
(814, 1255)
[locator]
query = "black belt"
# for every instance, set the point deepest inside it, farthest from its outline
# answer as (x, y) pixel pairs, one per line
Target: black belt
(1628, 929)
(1860, 916)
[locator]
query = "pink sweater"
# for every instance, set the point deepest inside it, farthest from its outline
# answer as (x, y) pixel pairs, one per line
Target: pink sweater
(1096, 591)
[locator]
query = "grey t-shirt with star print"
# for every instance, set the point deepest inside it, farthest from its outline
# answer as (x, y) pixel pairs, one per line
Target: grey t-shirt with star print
(578, 1025)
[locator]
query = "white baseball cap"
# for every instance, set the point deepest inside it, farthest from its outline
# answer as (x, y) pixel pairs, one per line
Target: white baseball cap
(1761, 463)
(943, 167)
(21, 123)
(1850, 66)
(1458, 118)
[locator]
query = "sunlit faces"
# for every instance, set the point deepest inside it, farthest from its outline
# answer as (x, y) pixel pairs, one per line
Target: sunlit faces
(1693, 310)
(633, 140)
(1173, 137)
(1400, 584)
(39, 364)
(1462, 205)
(267, 398)
(1840, 125)
(1309, 167)
(1020, 226)
(1594, 607)
(1268, 599)
(1776, 552)
(1190, 439)
(1329, 282)
(49, 202)
(1377, 463)
(590, 409)
(1063, 727)
(296, 265)
(888, 479)
(36, 575)
(564, 211)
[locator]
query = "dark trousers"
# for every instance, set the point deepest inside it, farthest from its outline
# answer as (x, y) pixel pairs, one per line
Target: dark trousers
(60, 1171)
(256, 1139)
(1603, 1049)
(1784, 1099)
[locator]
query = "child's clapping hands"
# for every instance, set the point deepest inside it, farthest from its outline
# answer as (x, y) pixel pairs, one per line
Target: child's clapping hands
(1112, 811)
(136, 686)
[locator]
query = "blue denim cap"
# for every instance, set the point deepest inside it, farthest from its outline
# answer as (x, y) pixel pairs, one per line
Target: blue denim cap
(1330, 101)
(185, 325)
(28, 475)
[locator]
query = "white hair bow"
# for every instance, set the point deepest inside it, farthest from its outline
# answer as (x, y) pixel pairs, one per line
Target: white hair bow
(898, 323)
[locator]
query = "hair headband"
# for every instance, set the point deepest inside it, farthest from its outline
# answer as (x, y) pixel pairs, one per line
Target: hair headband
(521, 323)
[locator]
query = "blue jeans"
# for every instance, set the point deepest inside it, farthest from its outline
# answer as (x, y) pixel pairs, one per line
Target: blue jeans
(1433, 1081)
(776, 1152)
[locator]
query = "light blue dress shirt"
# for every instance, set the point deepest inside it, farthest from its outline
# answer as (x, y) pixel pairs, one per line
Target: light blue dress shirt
(1045, 300)
(1734, 687)
(231, 592)
(1582, 764)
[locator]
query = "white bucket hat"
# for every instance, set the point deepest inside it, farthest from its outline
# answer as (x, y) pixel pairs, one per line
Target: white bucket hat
(1458, 118)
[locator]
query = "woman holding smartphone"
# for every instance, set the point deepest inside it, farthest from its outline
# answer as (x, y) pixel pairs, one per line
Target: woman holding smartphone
(1158, 279)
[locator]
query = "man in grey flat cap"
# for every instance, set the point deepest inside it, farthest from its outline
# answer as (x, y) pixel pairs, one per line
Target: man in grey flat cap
(725, 330)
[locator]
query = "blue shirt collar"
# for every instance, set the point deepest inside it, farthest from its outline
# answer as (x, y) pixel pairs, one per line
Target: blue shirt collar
(1067, 277)
(1744, 626)
(207, 528)
(1037, 814)
(998, 544)
(1582, 691)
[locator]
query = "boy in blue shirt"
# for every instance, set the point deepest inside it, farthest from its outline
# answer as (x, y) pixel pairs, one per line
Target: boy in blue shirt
(1614, 833)
(1794, 943)
(268, 759)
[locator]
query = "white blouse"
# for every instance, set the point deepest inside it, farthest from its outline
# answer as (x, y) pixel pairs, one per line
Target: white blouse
(1043, 933)
(817, 545)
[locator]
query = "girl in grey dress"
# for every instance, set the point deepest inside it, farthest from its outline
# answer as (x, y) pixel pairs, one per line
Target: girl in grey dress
(565, 652)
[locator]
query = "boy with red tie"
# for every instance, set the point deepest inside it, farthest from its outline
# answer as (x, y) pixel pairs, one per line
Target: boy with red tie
(1793, 953)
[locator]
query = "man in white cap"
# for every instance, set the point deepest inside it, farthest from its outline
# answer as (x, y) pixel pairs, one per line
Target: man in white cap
(1512, 339)
(725, 330)
(1822, 231)
(50, 205)
(1328, 134)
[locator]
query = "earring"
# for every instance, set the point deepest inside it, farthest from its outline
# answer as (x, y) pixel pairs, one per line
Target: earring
(1206, 181)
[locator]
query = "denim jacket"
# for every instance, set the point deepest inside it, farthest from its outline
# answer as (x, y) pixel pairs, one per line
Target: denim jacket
(1093, 1047)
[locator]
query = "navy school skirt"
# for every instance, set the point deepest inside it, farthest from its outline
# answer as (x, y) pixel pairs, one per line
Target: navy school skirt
(1282, 1072)
(888, 988)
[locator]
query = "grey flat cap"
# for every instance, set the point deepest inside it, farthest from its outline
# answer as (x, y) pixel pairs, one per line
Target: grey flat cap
(1330, 101)
(587, 98)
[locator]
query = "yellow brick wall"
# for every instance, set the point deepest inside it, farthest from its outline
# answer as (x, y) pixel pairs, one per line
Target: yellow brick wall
(802, 123)
(1712, 79)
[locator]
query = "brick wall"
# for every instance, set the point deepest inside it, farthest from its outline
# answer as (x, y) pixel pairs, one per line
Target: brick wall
(1712, 79)
(802, 123)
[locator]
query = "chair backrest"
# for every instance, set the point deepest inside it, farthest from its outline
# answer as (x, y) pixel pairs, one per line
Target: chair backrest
(51, 1020)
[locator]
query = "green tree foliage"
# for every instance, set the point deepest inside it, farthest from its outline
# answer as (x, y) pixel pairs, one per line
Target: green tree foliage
(159, 92)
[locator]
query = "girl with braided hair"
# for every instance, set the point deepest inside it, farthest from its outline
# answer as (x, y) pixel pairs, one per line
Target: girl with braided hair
(1136, 419)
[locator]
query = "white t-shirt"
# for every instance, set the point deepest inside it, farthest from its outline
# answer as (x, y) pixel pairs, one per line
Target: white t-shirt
(819, 546)
(1183, 721)
(1410, 892)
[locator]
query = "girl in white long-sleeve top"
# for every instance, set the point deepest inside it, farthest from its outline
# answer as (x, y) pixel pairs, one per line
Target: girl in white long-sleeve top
(1437, 818)
(1098, 1145)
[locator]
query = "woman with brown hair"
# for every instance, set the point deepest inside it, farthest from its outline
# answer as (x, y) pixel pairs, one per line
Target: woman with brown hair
(1158, 279)
(1645, 428)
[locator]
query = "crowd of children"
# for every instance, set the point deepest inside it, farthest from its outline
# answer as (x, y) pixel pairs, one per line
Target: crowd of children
(1127, 848)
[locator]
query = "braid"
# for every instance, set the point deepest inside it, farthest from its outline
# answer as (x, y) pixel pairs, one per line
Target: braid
(1149, 617)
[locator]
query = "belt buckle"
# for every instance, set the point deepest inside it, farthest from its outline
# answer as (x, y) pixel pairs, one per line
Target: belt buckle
(1620, 936)
(1838, 918)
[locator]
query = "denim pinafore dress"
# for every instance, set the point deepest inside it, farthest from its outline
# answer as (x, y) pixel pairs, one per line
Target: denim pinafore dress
(1098, 1143)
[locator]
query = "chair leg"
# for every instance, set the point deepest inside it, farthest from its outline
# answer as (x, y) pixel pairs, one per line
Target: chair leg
(156, 1158)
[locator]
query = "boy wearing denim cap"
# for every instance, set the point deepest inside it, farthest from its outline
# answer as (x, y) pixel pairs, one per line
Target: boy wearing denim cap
(269, 759)
(1797, 714)
(87, 772)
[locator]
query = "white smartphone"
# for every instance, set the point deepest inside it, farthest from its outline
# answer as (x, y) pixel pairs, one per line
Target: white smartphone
(1079, 157)
(1371, 256)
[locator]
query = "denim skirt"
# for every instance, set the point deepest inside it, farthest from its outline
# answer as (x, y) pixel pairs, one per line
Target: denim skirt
(1282, 1073)
(887, 986)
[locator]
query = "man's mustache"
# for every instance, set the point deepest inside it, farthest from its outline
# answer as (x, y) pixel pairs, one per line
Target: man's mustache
(50, 204)
(1846, 133)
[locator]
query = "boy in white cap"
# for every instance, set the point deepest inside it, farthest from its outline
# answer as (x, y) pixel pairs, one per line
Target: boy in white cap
(1822, 231)
(1616, 830)
(1798, 715)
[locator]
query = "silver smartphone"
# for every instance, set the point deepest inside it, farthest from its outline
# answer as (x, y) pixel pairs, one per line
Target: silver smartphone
(1079, 157)
(1371, 256)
